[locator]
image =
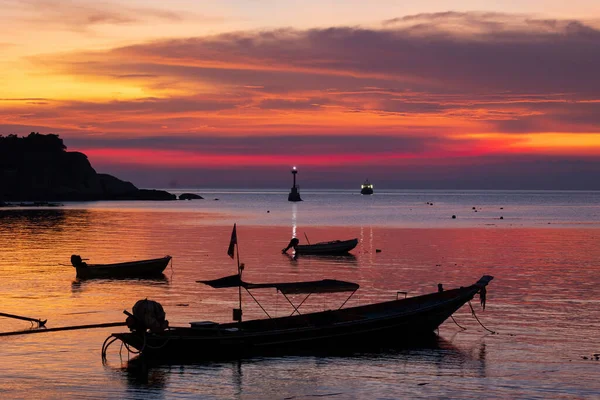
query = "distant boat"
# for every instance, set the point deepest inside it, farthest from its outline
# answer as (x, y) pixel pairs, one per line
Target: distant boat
(366, 188)
(131, 269)
(322, 248)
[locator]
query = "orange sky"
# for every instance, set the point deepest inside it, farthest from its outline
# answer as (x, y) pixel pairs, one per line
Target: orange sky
(151, 87)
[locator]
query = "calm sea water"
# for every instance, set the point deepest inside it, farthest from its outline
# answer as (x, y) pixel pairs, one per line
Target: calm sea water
(543, 302)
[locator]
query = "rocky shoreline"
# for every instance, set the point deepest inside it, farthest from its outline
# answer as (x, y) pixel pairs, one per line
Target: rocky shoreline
(37, 169)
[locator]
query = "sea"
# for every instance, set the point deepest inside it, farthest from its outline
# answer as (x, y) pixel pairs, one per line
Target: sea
(537, 338)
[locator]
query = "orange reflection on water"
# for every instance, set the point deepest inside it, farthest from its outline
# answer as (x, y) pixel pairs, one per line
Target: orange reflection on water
(541, 275)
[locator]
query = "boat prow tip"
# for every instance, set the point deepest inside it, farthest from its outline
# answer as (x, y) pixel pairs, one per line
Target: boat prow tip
(484, 280)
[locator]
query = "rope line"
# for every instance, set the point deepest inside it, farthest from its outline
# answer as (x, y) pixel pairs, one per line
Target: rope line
(473, 312)
(130, 349)
(461, 327)
(106, 344)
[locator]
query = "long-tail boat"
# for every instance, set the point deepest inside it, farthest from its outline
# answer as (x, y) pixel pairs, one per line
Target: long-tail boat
(322, 248)
(130, 269)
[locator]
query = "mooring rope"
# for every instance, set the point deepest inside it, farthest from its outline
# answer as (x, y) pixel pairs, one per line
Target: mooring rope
(473, 312)
(461, 327)
(130, 349)
(106, 344)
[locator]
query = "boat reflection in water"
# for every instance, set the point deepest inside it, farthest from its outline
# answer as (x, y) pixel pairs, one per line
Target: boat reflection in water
(345, 259)
(239, 377)
(139, 373)
(80, 284)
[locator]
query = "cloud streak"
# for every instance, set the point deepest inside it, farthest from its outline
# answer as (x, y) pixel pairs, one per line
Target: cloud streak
(455, 86)
(80, 15)
(504, 54)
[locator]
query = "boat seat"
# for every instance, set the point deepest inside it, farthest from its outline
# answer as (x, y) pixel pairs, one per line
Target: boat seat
(204, 324)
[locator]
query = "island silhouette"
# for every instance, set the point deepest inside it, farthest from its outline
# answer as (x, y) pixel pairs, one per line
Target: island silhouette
(38, 168)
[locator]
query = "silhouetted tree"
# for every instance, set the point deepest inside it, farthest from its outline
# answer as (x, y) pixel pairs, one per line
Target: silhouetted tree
(35, 142)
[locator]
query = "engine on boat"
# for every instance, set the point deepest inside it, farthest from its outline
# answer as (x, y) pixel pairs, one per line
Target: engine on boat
(293, 243)
(77, 261)
(147, 315)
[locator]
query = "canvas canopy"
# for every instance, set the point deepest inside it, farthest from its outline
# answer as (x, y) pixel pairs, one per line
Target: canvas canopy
(322, 286)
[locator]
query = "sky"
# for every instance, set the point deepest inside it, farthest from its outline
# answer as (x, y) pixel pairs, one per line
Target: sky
(411, 95)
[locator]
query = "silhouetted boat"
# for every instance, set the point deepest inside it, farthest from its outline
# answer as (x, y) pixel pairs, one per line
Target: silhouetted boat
(395, 322)
(333, 247)
(366, 188)
(133, 269)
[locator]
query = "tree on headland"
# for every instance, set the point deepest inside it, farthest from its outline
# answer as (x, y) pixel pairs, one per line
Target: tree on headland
(36, 142)
(37, 167)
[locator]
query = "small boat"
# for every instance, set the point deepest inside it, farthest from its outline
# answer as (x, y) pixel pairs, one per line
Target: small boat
(131, 269)
(322, 248)
(366, 188)
(393, 322)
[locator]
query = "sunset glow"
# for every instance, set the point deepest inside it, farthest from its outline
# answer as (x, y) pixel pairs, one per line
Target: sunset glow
(265, 85)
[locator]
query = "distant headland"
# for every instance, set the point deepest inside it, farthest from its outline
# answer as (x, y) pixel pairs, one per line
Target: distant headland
(39, 168)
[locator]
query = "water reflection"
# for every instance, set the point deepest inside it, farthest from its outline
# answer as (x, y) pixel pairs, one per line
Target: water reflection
(138, 374)
(429, 347)
(294, 219)
(48, 217)
(42, 220)
(541, 277)
(345, 259)
(79, 284)
(302, 373)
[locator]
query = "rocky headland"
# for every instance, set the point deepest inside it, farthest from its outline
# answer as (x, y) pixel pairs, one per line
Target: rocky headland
(39, 168)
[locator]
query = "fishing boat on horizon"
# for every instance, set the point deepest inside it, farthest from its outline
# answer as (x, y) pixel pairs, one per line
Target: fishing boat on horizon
(366, 188)
(396, 322)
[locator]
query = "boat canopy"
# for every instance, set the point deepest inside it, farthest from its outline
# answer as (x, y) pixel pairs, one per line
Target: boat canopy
(322, 286)
(225, 282)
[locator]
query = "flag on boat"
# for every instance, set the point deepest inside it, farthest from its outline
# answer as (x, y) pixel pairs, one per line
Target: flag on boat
(232, 243)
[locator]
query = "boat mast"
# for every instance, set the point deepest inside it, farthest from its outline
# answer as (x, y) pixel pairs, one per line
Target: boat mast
(240, 269)
(234, 248)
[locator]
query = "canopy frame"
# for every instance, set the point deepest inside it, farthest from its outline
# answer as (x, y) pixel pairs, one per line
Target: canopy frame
(296, 309)
(286, 288)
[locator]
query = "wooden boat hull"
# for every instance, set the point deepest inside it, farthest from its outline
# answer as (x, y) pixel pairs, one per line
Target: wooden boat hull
(327, 248)
(395, 323)
(134, 269)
